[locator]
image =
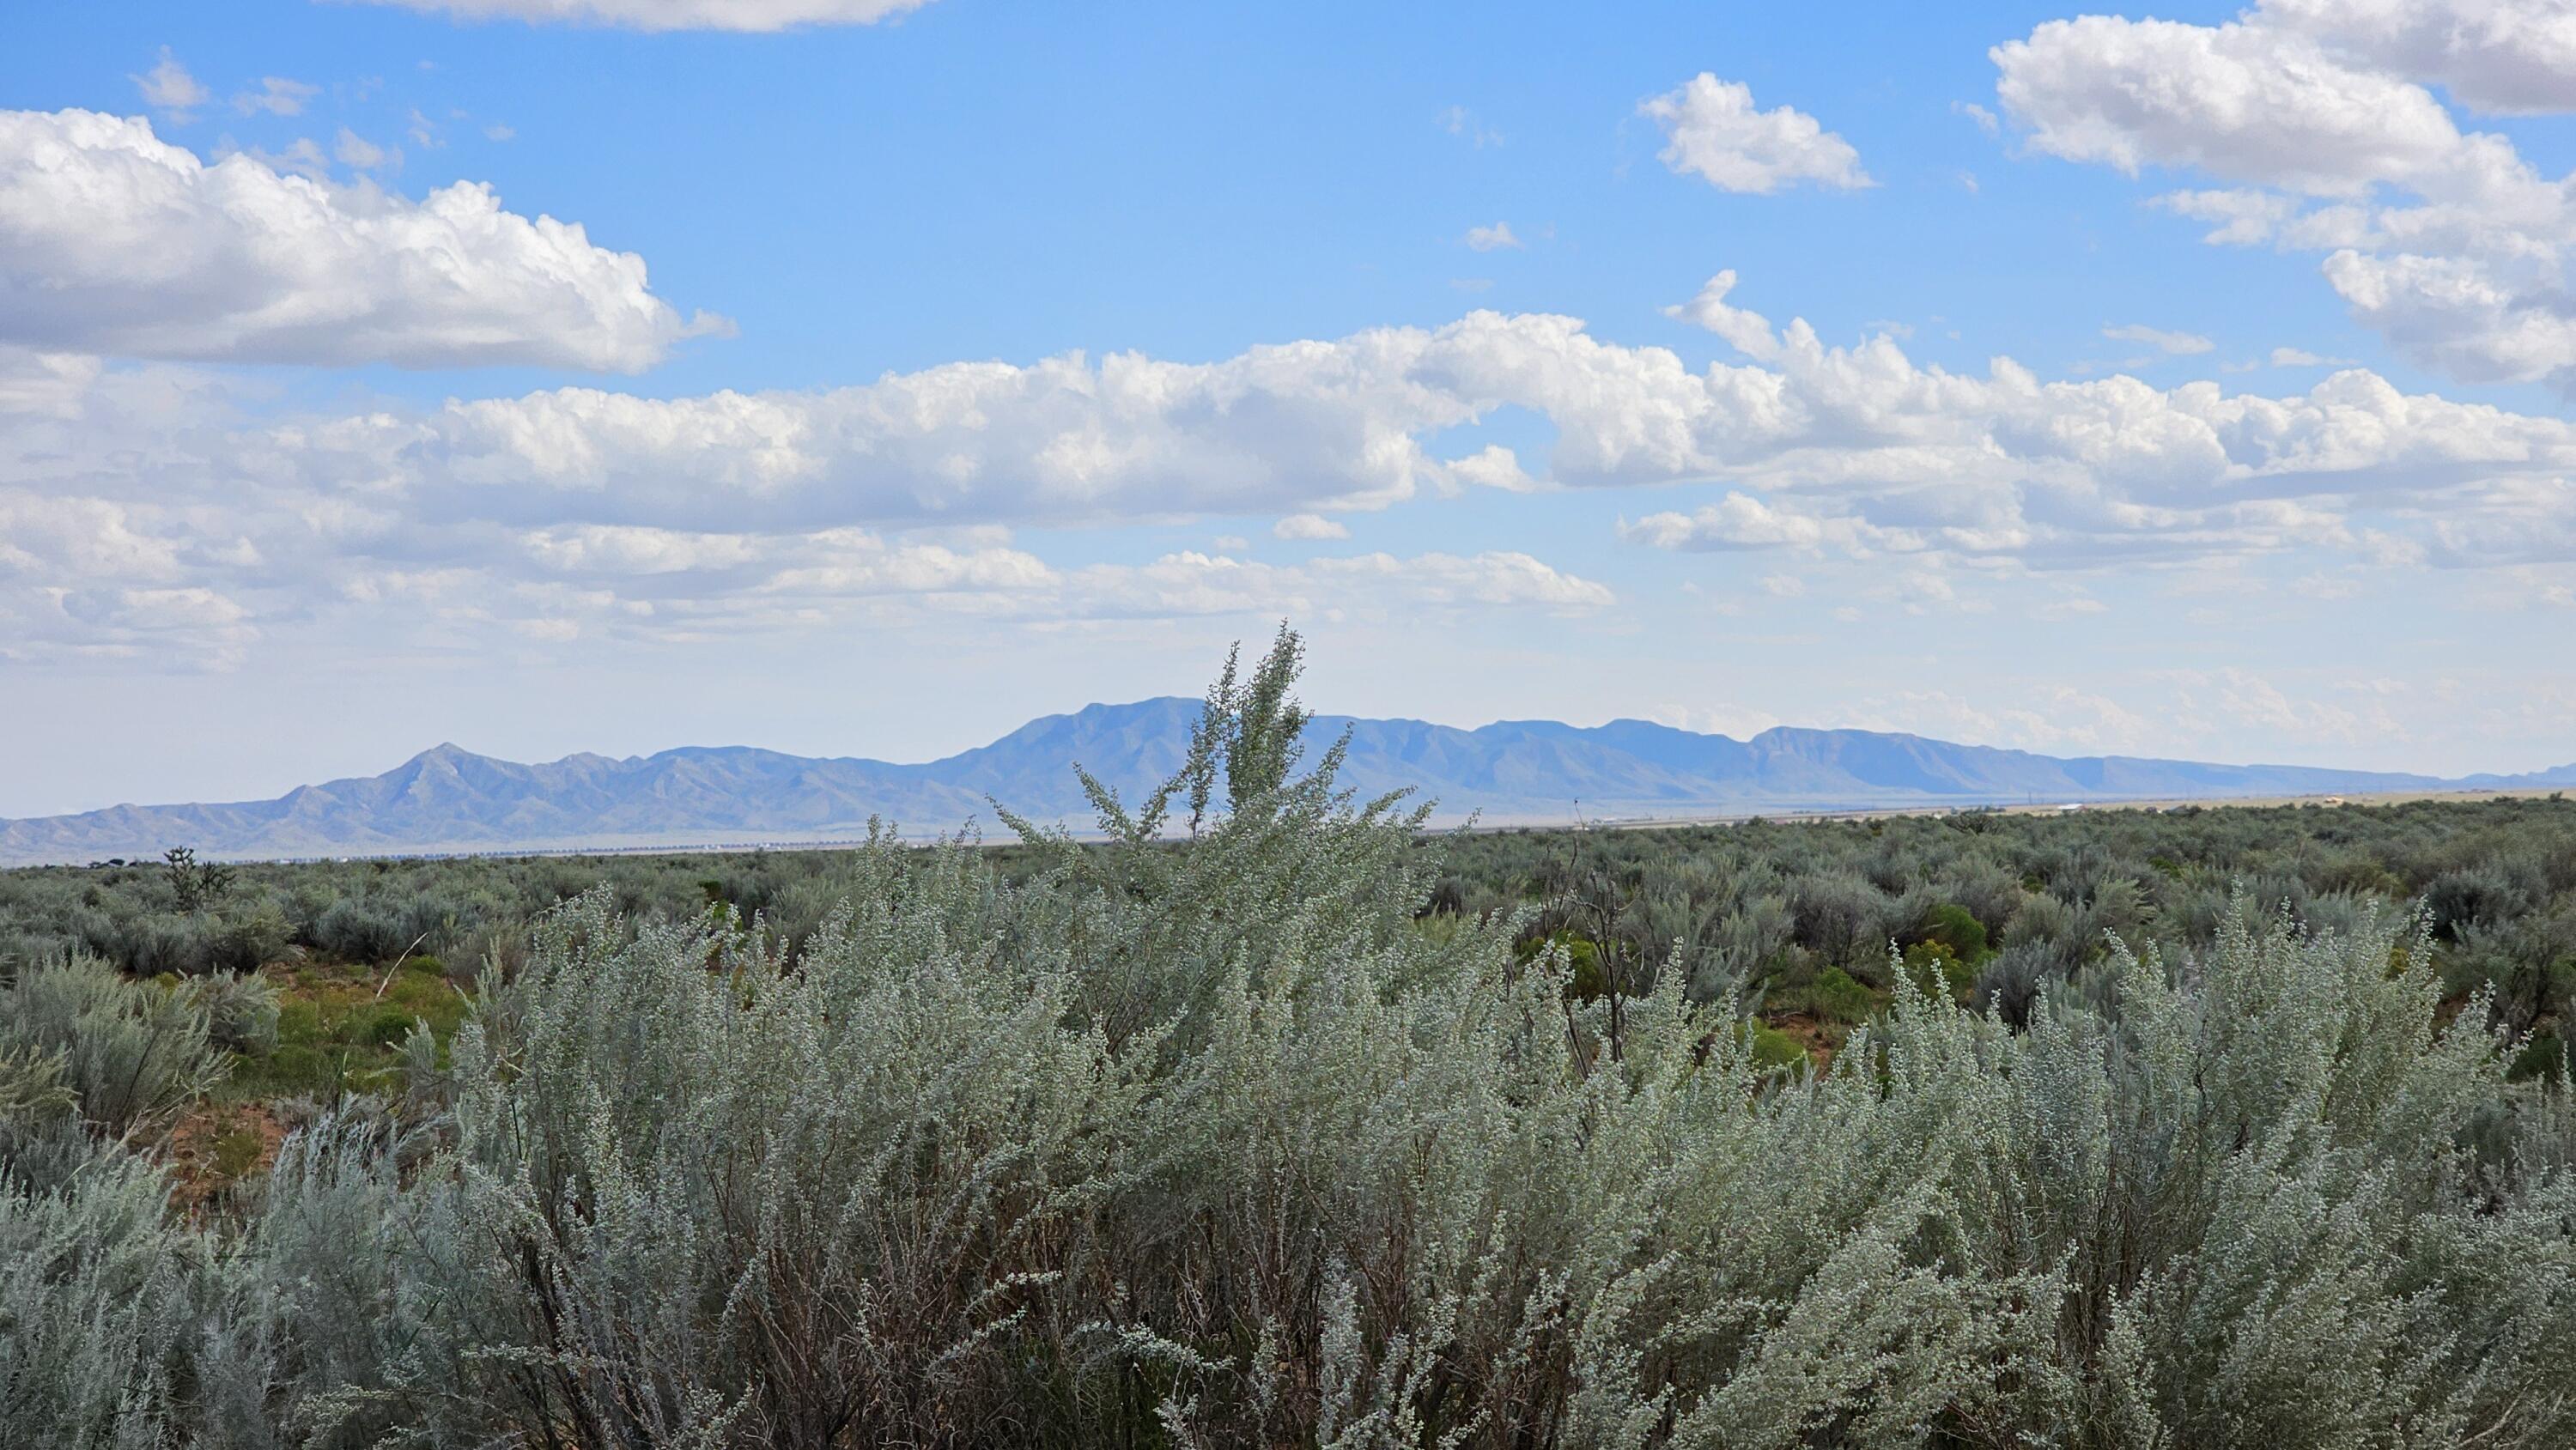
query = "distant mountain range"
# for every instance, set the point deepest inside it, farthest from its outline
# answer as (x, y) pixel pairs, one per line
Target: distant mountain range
(1522, 771)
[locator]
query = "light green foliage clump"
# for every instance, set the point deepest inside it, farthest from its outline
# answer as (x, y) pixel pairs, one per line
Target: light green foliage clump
(1208, 1143)
(1935, 969)
(339, 1029)
(1954, 929)
(1840, 997)
(1772, 1048)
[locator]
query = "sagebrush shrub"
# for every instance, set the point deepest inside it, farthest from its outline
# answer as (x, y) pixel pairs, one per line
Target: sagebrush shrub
(1216, 1144)
(132, 1053)
(241, 1011)
(101, 1313)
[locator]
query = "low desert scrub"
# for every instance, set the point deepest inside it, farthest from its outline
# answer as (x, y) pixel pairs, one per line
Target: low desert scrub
(1208, 1143)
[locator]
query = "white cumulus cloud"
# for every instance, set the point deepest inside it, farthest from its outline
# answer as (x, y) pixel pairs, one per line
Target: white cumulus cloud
(1747, 332)
(2239, 100)
(1740, 521)
(1494, 466)
(114, 241)
(1713, 131)
(790, 508)
(1309, 526)
(2499, 56)
(2318, 118)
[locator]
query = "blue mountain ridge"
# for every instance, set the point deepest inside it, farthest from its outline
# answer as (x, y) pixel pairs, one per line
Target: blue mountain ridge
(1512, 771)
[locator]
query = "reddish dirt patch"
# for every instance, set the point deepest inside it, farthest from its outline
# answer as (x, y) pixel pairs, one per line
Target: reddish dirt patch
(217, 1145)
(1821, 1039)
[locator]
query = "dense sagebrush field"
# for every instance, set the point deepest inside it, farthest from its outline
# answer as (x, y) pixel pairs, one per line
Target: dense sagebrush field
(1273, 1120)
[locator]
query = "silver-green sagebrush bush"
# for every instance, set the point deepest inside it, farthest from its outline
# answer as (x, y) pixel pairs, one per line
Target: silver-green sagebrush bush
(1197, 1138)
(132, 1053)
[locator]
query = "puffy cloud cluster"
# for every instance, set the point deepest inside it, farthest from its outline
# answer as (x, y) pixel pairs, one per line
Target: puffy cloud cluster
(154, 509)
(1712, 131)
(97, 577)
(2317, 117)
(1747, 332)
(114, 541)
(738, 15)
(1319, 427)
(1291, 428)
(580, 509)
(2242, 100)
(114, 241)
(2498, 56)
(635, 580)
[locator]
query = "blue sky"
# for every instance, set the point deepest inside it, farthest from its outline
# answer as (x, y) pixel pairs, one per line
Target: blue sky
(914, 374)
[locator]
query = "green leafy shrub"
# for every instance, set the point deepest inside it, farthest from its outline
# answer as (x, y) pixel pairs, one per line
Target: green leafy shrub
(237, 1151)
(1932, 967)
(1956, 930)
(1841, 998)
(1773, 1049)
(1586, 980)
(384, 1027)
(2544, 1055)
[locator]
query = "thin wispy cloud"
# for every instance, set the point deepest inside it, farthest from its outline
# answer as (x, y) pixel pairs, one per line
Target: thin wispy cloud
(755, 16)
(169, 89)
(277, 96)
(2175, 344)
